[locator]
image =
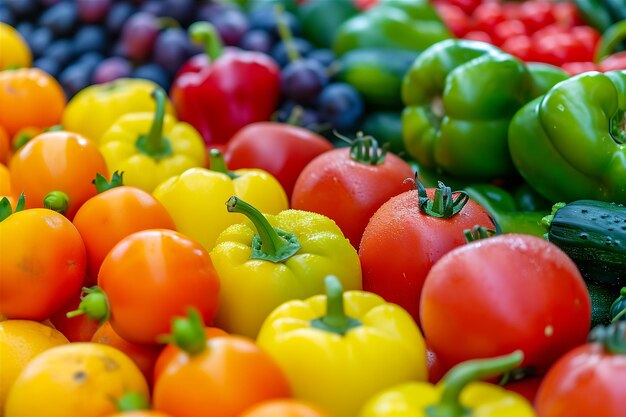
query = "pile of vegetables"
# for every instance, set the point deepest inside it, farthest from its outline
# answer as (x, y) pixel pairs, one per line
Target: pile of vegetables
(320, 209)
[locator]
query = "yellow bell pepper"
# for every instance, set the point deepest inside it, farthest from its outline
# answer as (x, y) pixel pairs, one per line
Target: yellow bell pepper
(94, 109)
(456, 395)
(270, 260)
(338, 357)
(195, 199)
(151, 147)
(14, 51)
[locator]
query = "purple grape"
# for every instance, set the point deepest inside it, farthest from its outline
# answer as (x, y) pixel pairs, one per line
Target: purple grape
(264, 18)
(324, 56)
(49, 3)
(62, 51)
(180, 10)
(139, 35)
(153, 72)
(117, 17)
(6, 15)
(257, 40)
(155, 7)
(308, 119)
(74, 78)
(93, 11)
(39, 41)
(25, 29)
(49, 65)
(61, 19)
(111, 69)
(172, 49)
(212, 11)
(23, 8)
(303, 80)
(231, 26)
(341, 105)
(90, 38)
(280, 55)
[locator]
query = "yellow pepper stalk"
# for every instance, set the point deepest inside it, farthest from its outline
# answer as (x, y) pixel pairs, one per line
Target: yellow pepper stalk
(270, 260)
(338, 355)
(151, 147)
(456, 395)
(94, 109)
(195, 199)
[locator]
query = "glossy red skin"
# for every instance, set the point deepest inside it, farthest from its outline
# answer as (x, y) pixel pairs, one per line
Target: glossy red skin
(280, 149)
(527, 388)
(504, 293)
(614, 62)
(219, 98)
(400, 245)
(587, 381)
(347, 191)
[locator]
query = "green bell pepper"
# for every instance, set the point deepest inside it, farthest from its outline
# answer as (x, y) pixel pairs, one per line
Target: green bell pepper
(504, 209)
(569, 144)
(321, 19)
(460, 96)
(396, 24)
(545, 76)
(386, 127)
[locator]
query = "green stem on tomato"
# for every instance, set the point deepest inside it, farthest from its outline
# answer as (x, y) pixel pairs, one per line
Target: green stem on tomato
(205, 34)
(5, 207)
(188, 333)
(102, 185)
(444, 204)
(455, 381)
(57, 201)
(335, 320)
(154, 144)
(94, 304)
(270, 244)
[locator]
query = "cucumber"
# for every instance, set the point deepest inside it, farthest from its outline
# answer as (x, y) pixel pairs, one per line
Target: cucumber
(602, 298)
(593, 234)
(376, 74)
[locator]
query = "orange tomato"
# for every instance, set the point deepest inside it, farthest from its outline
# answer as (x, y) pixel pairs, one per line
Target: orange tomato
(228, 377)
(284, 408)
(57, 161)
(29, 97)
(144, 356)
(76, 329)
(124, 210)
(171, 351)
(5, 146)
(152, 276)
(42, 265)
(139, 413)
(5, 180)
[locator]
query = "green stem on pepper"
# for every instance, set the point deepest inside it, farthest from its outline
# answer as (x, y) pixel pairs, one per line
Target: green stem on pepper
(335, 320)
(217, 163)
(465, 373)
(154, 144)
(205, 34)
(270, 244)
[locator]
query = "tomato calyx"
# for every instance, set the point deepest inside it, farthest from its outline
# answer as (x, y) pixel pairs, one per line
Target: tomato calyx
(270, 243)
(154, 144)
(132, 401)
(217, 163)
(187, 333)
(5, 207)
(102, 185)
(444, 205)
(94, 304)
(335, 320)
(205, 34)
(477, 233)
(465, 373)
(365, 149)
(57, 201)
(612, 337)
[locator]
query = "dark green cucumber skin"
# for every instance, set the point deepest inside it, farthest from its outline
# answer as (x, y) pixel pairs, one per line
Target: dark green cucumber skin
(593, 234)
(602, 297)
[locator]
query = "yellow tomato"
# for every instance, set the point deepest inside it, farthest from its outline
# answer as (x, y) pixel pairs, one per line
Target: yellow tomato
(14, 51)
(75, 380)
(21, 341)
(5, 180)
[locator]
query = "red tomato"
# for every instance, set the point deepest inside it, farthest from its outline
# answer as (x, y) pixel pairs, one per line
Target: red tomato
(152, 276)
(536, 15)
(348, 191)
(42, 264)
(573, 68)
(526, 387)
(520, 47)
(566, 14)
(587, 36)
(468, 6)
(76, 329)
(559, 48)
(508, 29)
(454, 18)
(477, 35)
(124, 210)
(504, 293)
(401, 244)
(614, 62)
(487, 16)
(280, 149)
(587, 381)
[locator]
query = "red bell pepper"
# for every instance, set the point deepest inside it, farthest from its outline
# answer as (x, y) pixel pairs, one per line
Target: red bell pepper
(224, 90)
